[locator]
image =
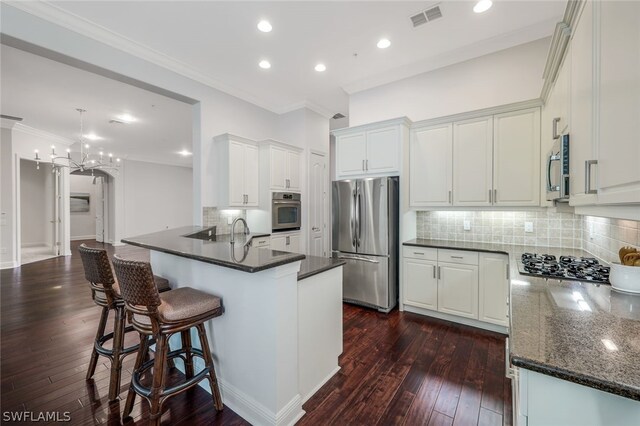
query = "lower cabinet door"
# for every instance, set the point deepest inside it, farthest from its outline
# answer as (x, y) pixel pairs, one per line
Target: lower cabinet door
(458, 289)
(494, 288)
(420, 283)
(278, 242)
(294, 243)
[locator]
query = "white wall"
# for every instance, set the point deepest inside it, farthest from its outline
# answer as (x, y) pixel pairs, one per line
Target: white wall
(508, 76)
(7, 201)
(156, 197)
(83, 224)
(36, 204)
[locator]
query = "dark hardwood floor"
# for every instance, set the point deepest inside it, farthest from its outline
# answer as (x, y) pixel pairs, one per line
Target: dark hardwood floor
(396, 369)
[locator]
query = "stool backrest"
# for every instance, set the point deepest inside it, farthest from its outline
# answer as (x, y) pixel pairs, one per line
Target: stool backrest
(96, 265)
(137, 285)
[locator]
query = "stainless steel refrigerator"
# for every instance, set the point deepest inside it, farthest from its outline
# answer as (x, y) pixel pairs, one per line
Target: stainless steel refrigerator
(365, 234)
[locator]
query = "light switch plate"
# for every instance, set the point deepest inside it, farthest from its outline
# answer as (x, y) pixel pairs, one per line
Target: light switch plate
(467, 225)
(528, 227)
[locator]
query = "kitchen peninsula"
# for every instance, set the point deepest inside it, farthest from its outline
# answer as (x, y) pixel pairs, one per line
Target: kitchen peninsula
(280, 337)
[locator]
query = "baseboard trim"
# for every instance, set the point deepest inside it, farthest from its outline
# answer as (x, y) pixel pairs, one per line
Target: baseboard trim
(9, 265)
(460, 320)
(321, 384)
(29, 245)
(83, 237)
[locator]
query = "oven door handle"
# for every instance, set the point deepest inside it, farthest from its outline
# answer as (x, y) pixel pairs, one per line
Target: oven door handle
(293, 203)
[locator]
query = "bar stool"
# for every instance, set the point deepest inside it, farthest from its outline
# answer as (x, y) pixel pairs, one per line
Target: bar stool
(106, 293)
(159, 316)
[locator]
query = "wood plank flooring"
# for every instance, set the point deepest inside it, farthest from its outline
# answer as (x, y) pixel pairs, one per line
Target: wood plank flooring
(397, 369)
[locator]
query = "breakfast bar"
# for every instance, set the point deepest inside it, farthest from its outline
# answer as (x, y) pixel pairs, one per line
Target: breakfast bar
(270, 351)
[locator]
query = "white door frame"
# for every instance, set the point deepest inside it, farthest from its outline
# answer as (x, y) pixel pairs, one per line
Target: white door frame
(326, 202)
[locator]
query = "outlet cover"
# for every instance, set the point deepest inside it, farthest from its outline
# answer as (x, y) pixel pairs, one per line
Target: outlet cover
(467, 225)
(528, 227)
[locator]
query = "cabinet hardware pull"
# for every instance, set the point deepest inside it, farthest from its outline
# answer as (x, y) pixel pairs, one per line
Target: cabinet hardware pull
(288, 240)
(438, 272)
(457, 257)
(434, 271)
(417, 252)
(587, 177)
(555, 128)
(508, 278)
(449, 196)
(495, 196)
(490, 198)
(363, 169)
(367, 163)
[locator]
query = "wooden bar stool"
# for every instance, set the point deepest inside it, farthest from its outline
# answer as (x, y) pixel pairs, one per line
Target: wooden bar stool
(159, 316)
(106, 293)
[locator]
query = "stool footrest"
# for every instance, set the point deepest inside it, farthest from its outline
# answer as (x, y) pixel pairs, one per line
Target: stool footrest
(109, 352)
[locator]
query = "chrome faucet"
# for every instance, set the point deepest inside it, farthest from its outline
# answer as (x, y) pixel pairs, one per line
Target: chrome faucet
(233, 228)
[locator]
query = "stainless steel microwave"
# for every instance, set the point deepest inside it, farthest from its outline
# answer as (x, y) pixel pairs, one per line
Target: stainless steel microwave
(558, 170)
(286, 214)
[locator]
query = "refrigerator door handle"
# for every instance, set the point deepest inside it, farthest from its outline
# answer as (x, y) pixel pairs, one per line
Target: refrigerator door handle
(359, 258)
(353, 219)
(359, 211)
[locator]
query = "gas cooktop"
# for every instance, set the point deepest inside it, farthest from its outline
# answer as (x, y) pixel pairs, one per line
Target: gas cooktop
(564, 268)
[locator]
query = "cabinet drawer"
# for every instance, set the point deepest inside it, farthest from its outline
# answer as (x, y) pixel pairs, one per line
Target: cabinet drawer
(260, 242)
(426, 253)
(458, 256)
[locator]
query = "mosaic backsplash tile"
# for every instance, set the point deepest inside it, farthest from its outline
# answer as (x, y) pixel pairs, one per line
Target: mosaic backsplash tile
(602, 237)
(549, 228)
(211, 216)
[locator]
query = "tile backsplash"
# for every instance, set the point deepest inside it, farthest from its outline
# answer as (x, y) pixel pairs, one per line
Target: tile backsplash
(212, 216)
(603, 237)
(549, 228)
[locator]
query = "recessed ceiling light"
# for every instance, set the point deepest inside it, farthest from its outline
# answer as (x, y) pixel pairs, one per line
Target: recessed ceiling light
(264, 26)
(126, 118)
(264, 64)
(384, 43)
(321, 67)
(185, 153)
(92, 137)
(482, 6)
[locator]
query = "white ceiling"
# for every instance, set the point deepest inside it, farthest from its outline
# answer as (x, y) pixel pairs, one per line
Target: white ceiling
(45, 94)
(218, 42)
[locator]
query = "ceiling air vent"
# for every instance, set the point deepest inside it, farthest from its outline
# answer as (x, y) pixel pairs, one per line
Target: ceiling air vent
(338, 116)
(428, 15)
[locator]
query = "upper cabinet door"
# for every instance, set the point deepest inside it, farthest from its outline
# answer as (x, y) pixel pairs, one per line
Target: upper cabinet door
(516, 158)
(430, 166)
(582, 140)
(277, 167)
(383, 150)
(351, 153)
(251, 176)
(293, 171)
(473, 162)
(619, 107)
(236, 174)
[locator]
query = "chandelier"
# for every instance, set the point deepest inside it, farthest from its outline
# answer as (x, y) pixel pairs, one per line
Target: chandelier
(87, 161)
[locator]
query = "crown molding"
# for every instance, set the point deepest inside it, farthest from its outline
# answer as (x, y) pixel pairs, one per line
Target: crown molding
(472, 51)
(32, 131)
(308, 105)
(87, 28)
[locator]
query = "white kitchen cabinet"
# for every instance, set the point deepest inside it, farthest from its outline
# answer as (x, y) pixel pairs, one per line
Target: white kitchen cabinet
(493, 287)
(369, 150)
(582, 142)
(284, 168)
(516, 158)
(618, 167)
(261, 242)
(286, 242)
(458, 289)
(420, 283)
(238, 171)
(430, 166)
(473, 162)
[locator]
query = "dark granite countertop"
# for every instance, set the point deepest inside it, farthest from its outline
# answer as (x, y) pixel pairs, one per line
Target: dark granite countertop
(313, 265)
(577, 331)
(218, 252)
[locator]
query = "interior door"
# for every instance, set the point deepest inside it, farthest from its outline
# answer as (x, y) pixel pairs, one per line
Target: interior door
(99, 181)
(344, 237)
(317, 205)
(372, 216)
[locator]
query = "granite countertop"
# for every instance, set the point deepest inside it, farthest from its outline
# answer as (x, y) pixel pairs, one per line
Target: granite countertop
(313, 265)
(582, 332)
(217, 251)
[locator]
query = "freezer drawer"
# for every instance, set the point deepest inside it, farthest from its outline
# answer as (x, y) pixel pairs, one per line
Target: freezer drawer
(367, 280)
